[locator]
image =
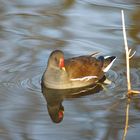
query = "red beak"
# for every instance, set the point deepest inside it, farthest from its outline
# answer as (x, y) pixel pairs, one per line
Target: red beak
(61, 64)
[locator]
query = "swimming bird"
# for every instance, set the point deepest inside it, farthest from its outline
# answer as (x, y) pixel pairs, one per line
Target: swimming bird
(75, 72)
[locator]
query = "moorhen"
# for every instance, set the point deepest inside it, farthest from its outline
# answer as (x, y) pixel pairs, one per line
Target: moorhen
(74, 72)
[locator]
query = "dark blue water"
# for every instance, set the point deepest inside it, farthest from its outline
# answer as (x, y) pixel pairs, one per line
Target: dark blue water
(30, 31)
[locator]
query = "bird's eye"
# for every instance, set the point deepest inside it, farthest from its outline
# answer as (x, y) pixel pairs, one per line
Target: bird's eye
(56, 60)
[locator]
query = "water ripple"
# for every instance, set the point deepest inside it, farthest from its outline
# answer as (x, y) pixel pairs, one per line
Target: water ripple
(29, 77)
(31, 83)
(119, 81)
(29, 31)
(24, 77)
(112, 4)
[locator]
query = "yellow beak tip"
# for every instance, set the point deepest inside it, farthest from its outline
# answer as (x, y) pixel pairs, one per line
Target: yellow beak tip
(63, 68)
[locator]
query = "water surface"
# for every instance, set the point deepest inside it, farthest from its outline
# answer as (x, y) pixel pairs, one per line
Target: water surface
(30, 31)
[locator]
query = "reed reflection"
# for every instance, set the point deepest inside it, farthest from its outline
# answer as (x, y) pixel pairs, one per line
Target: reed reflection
(55, 98)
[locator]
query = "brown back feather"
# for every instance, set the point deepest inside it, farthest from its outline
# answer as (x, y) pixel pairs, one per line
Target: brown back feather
(82, 66)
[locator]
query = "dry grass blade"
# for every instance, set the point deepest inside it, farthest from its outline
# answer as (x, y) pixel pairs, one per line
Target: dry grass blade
(130, 56)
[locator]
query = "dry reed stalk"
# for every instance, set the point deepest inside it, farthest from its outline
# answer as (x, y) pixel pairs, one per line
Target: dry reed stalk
(127, 53)
(128, 57)
(130, 91)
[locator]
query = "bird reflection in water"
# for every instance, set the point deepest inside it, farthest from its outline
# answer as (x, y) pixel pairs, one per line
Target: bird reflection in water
(55, 98)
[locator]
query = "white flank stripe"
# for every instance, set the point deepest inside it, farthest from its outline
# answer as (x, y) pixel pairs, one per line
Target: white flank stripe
(86, 78)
